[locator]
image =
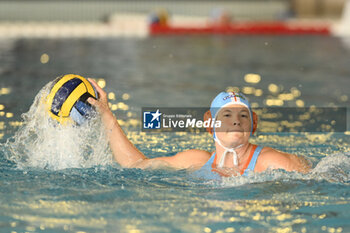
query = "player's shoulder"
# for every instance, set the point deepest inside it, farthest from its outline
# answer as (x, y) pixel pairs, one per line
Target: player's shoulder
(270, 153)
(270, 157)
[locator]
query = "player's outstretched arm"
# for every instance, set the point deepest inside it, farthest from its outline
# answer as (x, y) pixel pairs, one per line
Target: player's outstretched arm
(127, 155)
(124, 152)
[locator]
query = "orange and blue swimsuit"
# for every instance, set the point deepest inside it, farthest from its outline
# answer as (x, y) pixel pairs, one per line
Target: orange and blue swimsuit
(207, 170)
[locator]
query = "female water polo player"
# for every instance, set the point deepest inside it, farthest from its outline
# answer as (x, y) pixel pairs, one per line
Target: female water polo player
(233, 155)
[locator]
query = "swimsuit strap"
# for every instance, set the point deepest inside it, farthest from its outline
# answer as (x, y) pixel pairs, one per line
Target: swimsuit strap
(206, 171)
(252, 151)
(212, 160)
(254, 154)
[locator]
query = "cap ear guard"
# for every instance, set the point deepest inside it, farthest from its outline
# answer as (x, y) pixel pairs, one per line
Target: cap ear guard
(255, 122)
(207, 116)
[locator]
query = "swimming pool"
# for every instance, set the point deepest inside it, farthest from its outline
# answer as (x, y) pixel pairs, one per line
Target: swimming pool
(49, 185)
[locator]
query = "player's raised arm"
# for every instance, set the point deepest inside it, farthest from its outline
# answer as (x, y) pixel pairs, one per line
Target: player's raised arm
(127, 155)
(124, 152)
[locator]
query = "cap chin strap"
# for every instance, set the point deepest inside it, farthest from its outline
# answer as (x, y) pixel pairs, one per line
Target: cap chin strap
(228, 150)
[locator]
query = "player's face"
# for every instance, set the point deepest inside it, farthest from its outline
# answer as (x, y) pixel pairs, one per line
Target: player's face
(235, 125)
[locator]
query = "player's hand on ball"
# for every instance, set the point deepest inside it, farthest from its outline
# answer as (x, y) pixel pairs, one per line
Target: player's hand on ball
(101, 103)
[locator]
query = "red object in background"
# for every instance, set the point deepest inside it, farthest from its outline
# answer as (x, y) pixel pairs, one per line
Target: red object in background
(258, 28)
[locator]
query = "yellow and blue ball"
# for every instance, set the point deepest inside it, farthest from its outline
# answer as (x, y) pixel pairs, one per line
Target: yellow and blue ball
(67, 99)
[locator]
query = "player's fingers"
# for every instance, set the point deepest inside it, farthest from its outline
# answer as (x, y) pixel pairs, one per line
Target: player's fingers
(101, 92)
(93, 102)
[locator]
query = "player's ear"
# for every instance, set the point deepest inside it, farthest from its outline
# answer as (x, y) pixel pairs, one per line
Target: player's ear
(255, 122)
(207, 116)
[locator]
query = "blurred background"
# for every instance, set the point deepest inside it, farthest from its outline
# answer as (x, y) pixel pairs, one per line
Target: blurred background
(181, 53)
(284, 53)
(115, 18)
(104, 10)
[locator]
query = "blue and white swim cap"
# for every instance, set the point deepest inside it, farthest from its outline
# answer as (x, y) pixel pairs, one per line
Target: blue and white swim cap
(224, 99)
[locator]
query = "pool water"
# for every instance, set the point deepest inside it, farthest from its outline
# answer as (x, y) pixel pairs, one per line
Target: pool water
(56, 179)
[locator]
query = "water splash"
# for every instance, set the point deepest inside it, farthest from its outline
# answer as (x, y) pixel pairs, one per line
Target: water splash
(44, 143)
(334, 168)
